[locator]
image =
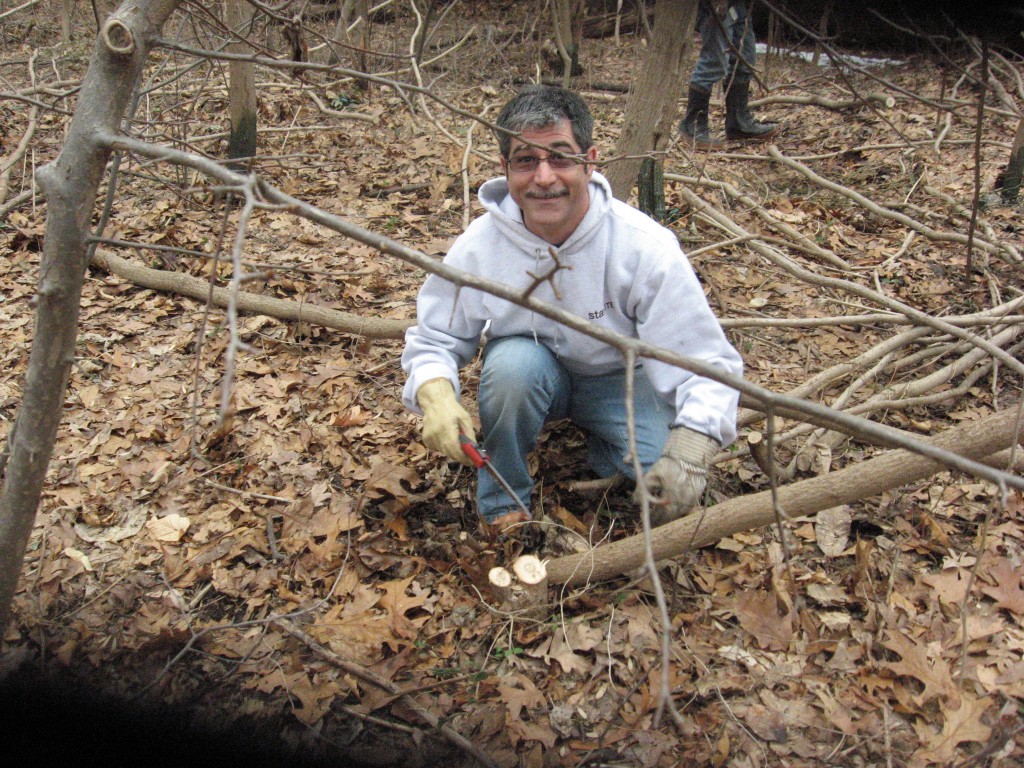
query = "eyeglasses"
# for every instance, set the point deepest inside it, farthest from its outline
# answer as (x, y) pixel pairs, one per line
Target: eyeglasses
(530, 163)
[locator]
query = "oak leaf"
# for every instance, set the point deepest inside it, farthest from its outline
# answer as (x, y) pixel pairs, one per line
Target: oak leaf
(168, 528)
(832, 530)
(1006, 591)
(650, 747)
(758, 613)
(397, 603)
(766, 723)
(558, 650)
(949, 585)
(917, 661)
(360, 638)
(519, 730)
(960, 725)
(388, 478)
(519, 692)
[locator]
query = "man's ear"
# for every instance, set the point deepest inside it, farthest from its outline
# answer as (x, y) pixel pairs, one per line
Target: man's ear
(504, 165)
(591, 155)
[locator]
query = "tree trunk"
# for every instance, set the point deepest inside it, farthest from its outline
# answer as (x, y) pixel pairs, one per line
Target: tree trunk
(101, 9)
(651, 189)
(340, 36)
(651, 111)
(241, 87)
(70, 183)
(67, 9)
(566, 17)
(1015, 167)
(823, 22)
(363, 55)
(346, 37)
(976, 440)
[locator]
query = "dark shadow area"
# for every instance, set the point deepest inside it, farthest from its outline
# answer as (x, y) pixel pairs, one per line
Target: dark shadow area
(57, 720)
(903, 26)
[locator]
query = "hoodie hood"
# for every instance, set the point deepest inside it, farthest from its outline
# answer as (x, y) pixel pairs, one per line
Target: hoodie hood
(507, 216)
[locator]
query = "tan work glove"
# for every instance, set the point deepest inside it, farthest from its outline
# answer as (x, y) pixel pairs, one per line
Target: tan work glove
(676, 481)
(443, 419)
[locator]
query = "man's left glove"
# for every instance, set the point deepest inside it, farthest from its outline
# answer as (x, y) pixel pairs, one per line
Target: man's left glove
(444, 419)
(677, 479)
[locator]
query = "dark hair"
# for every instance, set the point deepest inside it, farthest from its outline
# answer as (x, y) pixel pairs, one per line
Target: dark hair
(541, 106)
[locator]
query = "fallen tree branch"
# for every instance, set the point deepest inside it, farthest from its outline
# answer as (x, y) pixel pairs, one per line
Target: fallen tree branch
(17, 201)
(282, 309)
(8, 163)
(802, 240)
(815, 100)
(337, 112)
(927, 390)
(999, 315)
(914, 391)
(957, 207)
(977, 440)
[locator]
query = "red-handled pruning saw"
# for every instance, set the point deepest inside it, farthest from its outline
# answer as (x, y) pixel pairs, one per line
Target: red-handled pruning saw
(480, 458)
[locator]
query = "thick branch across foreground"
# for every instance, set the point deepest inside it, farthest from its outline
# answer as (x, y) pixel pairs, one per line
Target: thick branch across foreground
(282, 309)
(977, 440)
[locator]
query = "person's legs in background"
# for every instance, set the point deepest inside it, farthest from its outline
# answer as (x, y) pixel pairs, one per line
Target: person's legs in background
(710, 68)
(740, 123)
(720, 39)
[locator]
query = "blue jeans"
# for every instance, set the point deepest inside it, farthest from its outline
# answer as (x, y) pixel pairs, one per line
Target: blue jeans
(523, 386)
(717, 60)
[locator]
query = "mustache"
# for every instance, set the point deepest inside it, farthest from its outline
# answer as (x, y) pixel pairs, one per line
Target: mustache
(548, 195)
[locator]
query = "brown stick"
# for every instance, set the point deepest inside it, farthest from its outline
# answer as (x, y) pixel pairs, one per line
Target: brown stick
(283, 309)
(824, 102)
(976, 439)
(880, 210)
(8, 163)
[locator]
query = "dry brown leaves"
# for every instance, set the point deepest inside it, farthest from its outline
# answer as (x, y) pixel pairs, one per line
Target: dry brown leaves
(166, 547)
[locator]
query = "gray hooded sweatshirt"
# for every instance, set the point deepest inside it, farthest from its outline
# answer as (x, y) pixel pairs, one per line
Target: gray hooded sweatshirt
(620, 270)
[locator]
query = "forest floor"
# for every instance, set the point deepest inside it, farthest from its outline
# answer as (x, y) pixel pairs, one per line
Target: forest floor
(235, 590)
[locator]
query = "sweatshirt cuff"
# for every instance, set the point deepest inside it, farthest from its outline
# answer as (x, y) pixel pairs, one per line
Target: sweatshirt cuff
(421, 376)
(720, 430)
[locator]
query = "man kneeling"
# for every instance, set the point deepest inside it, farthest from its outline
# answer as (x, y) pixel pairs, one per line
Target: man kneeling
(615, 267)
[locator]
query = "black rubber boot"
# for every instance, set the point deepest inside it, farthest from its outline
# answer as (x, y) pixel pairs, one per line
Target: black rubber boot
(740, 125)
(694, 127)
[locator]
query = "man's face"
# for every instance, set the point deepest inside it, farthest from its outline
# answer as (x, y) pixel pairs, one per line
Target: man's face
(553, 200)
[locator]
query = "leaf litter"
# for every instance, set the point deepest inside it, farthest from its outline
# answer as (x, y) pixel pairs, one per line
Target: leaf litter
(166, 550)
